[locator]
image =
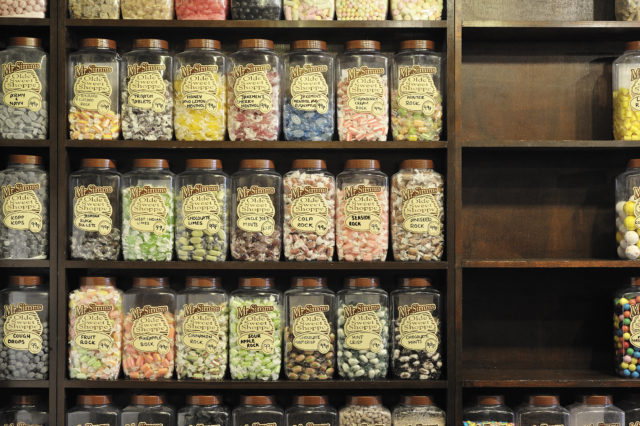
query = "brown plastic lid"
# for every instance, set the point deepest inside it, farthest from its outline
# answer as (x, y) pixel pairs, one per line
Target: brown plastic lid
(311, 400)
(598, 400)
(632, 45)
(206, 43)
(25, 41)
(255, 43)
(309, 163)
(490, 400)
(633, 163)
(363, 282)
(94, 399)
(202, 282)
(104, 43)
(256, 282)
(25, 280)
(309, 282)
(256, 163)
(154, 43)
(635, 281)
(365, 400)
(416, 282)
(257, 400)
(543, 400)
(151, 163)
(362, 44)
(417, 164)
(25, 399)
(362, 163)
(147, 399)
(101, 163)
(417, 44)
(309, 44)
(97, 281)
(25, 159)
(204, 400)
(150, 282)
(418, 400)
(204, 163)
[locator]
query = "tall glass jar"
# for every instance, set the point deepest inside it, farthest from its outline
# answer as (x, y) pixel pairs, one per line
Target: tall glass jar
(92, 90)
(310, 338)
(542, 409)
(350, 10)
(24, 329)
(146, 88)
(202, 230)
(94, 410)
(200, 91)
(626, 330)
(364, 410)
(417, 410)
(202, 326)
(416, 92)
(363, 95)
(626, 93)
(309, 211)
(309, 10)
(146, 9)
(256, 202)
(363, 329)
(309, 92)
(24, 89)
(24, 410)
(489, 409)
(417, 212)
(256, 9)
(259, 410)
(215, 10)
(204, 410)
(362, 212)
(255, 330)
(16, 9)
(24, 217)
(148, 410)
(627, 10)
(148, 211)
(415, 308)
(95, 329)
(149, 329)
(596, 409)
(628, 211)
(94, 211)
(421, 10)
(91, 9)
(253, 80)
(311, 410)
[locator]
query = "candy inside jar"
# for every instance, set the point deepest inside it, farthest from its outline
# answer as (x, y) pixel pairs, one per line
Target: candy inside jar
(488, 409)
(416, 410)
(204, 410)
(147, 9)
(364, 410)
(311, 10)
(94, 9)
(628, 211)
(416, 10)
(626, 94)
(202, 9)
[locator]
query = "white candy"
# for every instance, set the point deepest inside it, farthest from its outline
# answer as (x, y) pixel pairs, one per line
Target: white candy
(620, 207)
(631, 237)
(624, 244)
(619, 222)
(621, 253)
(632, 252)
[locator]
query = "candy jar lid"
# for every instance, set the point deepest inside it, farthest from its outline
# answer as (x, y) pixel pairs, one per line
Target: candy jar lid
(632, 45)
(257, 400)
(202, 282)
(247, 282)
(543, 400)
(598, 400)
(490, 400)
(100, 43)
(204, 400)
(25, 280)
(147, 399)
(151, 43)
(255, 43)
(25, 41)
(362, 44)
(418, 400)
(94, 399)
(308, 282)
(362, 163)
(635, 282)
(204, 163)
(98, 163)
(365, 400)
(309, 163)
(417, 164)
(97, 281)
(419, 282)
(150, 282)
(257, 163)
(311, 400)
(362, 282)
(417, 44)
(203, 43)
(25, 399)
(25, 159)
(309, 44)
(634, 163)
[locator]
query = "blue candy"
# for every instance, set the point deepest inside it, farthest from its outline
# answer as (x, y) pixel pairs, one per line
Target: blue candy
(307, 125)
(635, 374)
(626, 372)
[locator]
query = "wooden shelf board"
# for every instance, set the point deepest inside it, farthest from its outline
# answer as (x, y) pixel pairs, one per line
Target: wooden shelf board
(551, 144)
(255, 145)
(24, 384)
(34, 143)
(501, 378)
(272, 266)
(25, 22)
(508, 31)
(267, 385)
(23, 263)
(549, 263)
(551, 24)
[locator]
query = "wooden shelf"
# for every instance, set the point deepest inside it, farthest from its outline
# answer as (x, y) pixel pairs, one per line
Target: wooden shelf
(548, 30)
(25, 22)
(389, 145)
(26, 263)
(550, 263)
(505, 378)
(24, 384)
(28, 143)
(550, 144)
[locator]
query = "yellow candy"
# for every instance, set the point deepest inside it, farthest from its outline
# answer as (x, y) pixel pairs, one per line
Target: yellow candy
(200, 124)
(619, 237)
(629, 208)
(626, 120)
(630, 223)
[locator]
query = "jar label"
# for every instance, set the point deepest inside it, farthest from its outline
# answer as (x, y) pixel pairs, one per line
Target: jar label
(311, 330)
(472, 423)
(150, 329)
(93, 327)
(92, 210)
(22, 327)
(92, 89)
(255, 328)
(309, 209)
(201, 328)
(252, 88)
(143, 424)
(21, 207)
(21, 86)
(418, 328)
(362, 327)
(634, 90)
(200, 208)
(362, 208)
(255, 209)
(146, 86)
(366, 91)
(309, 89)
(421, 211)
(311, 424)
(199, 88)
(416, 90)
(148, 209)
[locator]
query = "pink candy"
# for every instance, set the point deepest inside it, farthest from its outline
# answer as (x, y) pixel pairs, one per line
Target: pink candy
(23, 8)
(202, 9)
(356, 124)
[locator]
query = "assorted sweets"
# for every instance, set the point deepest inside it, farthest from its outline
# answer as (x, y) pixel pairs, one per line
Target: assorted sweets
(626, 93)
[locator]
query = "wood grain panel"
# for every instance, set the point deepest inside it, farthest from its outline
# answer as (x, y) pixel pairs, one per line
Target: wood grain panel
(540, 10)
